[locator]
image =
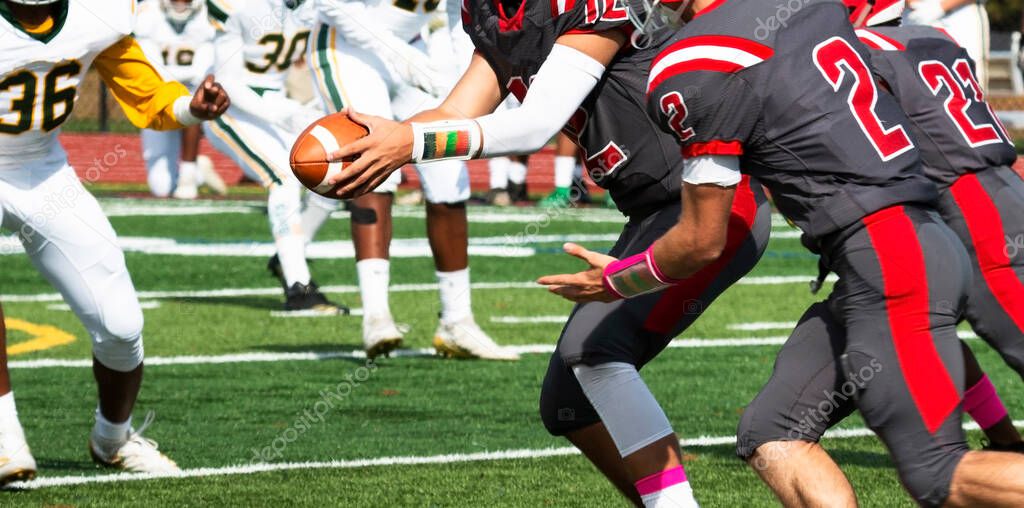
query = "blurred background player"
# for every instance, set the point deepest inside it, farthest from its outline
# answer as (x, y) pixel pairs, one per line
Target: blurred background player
(178, 38)
(363, 57)
(46, 47)
(257, 42)
(965, 20)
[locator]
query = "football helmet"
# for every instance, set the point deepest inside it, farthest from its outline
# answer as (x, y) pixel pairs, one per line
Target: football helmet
(179, 11)
(651, 16)
(874, 12)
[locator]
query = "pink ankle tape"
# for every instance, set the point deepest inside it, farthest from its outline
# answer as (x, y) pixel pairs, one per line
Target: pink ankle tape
(983, 403)
(661, 481)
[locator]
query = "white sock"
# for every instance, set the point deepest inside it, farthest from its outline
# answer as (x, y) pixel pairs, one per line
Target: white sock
(455, 299)
(111, 432)
(8, 411)
(374, 279)
(316, 212)
(188, 174)
(499, 172)
(291, 250)
(516, 172)
(565, 165)
(679, 495)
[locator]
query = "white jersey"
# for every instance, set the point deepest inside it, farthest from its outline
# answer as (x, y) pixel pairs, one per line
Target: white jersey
(402, 18)
(39, 76)
(272, 38)
(181, 52)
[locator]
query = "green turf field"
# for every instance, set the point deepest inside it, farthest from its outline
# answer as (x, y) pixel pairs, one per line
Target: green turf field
(264, 410)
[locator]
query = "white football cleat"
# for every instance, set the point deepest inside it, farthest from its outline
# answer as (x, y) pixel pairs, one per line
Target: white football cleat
(464, 339)
(209, 177)
(137, 454)
(381, 335)
(186, 187)
(16, 462)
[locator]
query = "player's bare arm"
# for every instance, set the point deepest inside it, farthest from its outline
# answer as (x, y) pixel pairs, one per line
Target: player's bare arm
(694, 242)
(391, 144)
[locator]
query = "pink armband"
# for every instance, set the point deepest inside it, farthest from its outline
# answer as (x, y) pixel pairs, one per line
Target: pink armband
(636, 275)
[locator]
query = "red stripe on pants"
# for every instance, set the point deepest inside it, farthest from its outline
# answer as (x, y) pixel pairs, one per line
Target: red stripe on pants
(990, 244)
(905, 282)
(675, 302)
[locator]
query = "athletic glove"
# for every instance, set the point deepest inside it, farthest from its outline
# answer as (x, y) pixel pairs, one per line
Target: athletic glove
(925, 12)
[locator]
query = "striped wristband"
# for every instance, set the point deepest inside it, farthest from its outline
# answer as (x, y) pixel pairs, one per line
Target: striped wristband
(446, 140)
(636, 275)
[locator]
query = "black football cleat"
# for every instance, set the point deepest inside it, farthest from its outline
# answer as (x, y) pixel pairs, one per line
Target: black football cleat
(274, 267)
(517, 192)
(307, 297)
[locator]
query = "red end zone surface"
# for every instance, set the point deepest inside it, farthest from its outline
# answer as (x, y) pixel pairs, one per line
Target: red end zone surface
(117, 158)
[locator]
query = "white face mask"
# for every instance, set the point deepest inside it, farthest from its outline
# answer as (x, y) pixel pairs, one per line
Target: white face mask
(652, 16)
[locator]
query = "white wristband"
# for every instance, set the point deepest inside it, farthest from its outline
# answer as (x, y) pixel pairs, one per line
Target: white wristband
(183, 111)
(446, 140)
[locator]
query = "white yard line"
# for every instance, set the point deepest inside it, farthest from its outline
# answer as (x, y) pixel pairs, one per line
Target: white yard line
(519, 320)
(758, 326)
(451, 458)
(395, 288)
(313, 356)
(145, 305)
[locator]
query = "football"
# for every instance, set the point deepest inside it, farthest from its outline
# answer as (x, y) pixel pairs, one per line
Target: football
(309, 153)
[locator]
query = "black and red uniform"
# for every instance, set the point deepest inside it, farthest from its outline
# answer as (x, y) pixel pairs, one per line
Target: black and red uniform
(628, 154)
(967, 153)
(800, 107)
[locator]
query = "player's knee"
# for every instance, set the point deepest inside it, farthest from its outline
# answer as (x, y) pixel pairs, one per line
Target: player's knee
(631, 414)
(117, 344)
(363, 216)
(930, 485)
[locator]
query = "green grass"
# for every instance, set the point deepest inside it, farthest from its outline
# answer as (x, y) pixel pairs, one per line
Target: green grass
(216, 415)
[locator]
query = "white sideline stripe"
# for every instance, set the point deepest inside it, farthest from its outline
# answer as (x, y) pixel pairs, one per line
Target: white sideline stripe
(451, 458)
(395, 288)
(516, 320)
(312, 313)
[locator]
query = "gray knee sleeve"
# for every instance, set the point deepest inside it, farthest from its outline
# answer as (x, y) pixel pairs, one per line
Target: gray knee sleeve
(625, 404)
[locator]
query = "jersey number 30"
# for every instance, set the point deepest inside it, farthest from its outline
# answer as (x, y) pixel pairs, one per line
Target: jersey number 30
(24, 105)
(838, 62)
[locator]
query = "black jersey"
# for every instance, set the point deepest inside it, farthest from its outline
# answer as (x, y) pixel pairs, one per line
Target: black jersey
(798, 104)
(933, 79)
(624, 150)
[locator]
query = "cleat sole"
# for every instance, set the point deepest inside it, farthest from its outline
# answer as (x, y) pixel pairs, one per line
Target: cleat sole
(19, 475)
(383, 348)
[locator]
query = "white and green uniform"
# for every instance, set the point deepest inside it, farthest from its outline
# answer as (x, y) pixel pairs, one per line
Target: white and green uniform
(368, 56)
(182, 52)
(257, 42)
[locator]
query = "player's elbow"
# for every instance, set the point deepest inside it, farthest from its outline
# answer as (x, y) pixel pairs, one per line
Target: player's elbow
(707, 249)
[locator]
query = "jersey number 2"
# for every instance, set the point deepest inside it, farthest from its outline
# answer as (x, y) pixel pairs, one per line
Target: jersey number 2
(958, 81)
(838, 61)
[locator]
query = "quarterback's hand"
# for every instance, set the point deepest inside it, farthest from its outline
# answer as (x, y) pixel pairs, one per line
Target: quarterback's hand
(585, 286)
(925, 12)
(210, 100)
(387, 148)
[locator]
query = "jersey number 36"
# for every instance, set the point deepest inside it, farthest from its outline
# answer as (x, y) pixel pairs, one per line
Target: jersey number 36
(24, 104)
